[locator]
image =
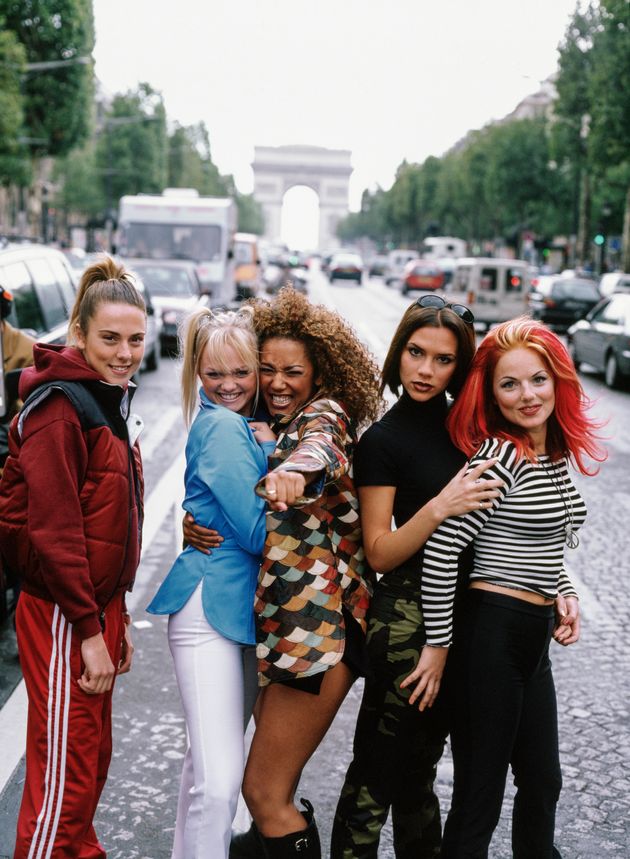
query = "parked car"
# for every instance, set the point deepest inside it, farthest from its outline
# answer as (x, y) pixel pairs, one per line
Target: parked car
(43, 289)
(175, 290)
(421, 274)
(284, 270)
(614, 281)
(346, 266)
(602, 339)
(377, 266)
(561, 301)
(396, 262)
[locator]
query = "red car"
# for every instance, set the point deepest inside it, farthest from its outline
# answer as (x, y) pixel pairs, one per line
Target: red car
(422, 274)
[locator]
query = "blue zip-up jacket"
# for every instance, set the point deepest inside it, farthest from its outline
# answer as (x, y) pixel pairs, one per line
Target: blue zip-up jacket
(223, 464)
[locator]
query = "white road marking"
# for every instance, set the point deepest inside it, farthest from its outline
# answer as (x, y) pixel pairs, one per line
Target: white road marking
(167, 494)
(159, 431)
(13, 732)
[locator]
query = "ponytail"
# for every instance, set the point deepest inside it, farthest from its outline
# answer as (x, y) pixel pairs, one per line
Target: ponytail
(104, 282)
(203, 330)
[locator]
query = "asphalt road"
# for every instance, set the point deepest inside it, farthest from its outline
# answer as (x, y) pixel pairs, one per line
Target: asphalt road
(136, 815)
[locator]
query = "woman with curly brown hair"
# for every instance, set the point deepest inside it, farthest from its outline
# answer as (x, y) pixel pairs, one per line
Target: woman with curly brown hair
(320, 385)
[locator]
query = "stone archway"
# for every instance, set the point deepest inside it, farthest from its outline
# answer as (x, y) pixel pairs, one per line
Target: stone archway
(326, 171)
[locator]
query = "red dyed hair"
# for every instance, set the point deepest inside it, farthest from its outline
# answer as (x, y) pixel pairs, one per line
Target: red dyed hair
(475, 415)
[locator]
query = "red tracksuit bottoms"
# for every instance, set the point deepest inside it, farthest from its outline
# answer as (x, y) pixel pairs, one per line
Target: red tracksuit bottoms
(69, 734)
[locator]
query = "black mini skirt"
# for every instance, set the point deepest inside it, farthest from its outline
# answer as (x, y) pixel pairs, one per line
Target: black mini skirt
(354, 656)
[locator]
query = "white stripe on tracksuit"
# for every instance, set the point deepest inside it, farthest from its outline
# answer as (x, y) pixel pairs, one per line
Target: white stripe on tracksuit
(57, 733)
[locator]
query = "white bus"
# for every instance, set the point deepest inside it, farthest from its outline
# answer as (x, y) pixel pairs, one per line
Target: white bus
(179, 224)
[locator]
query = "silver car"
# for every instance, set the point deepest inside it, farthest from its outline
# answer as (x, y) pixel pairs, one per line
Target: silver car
(602, 339)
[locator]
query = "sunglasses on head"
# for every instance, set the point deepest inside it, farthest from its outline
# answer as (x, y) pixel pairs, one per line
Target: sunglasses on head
(440, 303)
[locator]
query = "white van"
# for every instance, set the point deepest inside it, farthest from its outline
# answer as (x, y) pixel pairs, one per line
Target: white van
(494, 289)
(180, 224)
(396, 262)
(435, 247)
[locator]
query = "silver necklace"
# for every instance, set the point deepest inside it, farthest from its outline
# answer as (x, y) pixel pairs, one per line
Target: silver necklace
(571, 539)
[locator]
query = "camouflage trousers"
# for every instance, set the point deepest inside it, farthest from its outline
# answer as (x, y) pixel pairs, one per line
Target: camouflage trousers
(396, 748)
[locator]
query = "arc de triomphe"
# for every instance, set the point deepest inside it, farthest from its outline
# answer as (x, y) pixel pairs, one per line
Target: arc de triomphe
(326, 171)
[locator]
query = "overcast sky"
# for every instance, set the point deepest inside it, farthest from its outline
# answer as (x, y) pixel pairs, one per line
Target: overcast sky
(387, 79)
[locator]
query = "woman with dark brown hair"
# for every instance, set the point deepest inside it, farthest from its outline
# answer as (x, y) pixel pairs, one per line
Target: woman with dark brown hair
(406, 468)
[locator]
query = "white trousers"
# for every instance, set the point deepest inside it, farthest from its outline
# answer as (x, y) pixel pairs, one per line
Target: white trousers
(218, 684)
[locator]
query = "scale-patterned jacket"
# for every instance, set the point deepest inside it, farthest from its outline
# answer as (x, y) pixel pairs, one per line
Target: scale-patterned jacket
(313, 561)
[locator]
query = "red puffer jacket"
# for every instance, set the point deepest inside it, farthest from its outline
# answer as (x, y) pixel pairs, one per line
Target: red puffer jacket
(71, 491)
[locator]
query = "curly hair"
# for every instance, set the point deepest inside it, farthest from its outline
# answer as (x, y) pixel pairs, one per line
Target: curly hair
(349, 372)
(570, 431)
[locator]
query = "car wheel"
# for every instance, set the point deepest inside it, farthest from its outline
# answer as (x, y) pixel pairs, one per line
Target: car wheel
(152, 361)
(573, 353)
(612, 376)
(404, 289)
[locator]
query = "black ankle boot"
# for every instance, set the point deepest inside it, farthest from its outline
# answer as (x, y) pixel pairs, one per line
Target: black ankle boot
(303, 844)
(248, 845)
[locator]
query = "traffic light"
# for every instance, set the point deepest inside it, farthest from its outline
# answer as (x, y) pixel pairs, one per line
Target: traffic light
(599, 239)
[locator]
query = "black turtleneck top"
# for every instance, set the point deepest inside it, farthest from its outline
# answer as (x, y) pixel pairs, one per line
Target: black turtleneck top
(409, 448)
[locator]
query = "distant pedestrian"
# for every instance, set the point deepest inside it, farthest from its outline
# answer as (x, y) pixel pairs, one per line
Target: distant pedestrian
(408, 469)
(70, 519)
(319, 384)
(523, 406)
(17, 353)
(210, 597)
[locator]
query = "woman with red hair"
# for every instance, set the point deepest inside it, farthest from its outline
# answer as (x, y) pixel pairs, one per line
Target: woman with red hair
(523, 405)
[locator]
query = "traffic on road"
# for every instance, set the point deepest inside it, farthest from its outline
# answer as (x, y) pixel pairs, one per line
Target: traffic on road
(136, 815)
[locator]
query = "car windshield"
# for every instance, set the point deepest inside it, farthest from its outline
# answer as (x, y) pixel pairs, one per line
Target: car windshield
(575, 289)
(200, 243)
(346, 259)
(163, 280)
(425, 269)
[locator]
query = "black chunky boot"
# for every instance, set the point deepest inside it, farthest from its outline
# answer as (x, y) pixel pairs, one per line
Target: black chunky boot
(248, 845)
(297, 845)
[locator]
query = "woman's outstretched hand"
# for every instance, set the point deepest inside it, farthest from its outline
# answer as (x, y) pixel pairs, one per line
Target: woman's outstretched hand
(200, 538)
(427, 676)
(284, 488)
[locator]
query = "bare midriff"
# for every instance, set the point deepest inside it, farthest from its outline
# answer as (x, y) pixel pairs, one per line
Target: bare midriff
(526, 596)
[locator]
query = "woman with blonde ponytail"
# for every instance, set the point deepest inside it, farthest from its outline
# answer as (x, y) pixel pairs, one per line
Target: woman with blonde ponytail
(210, 597)
(70, 520)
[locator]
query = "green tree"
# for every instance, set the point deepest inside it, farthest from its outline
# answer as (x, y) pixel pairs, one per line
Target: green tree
(250, 214)
(190, 162)
(14, 167)
(570, 136)
(81, 194)
(609, 103)
(57, 101)
(132, 145)
(518, 177)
